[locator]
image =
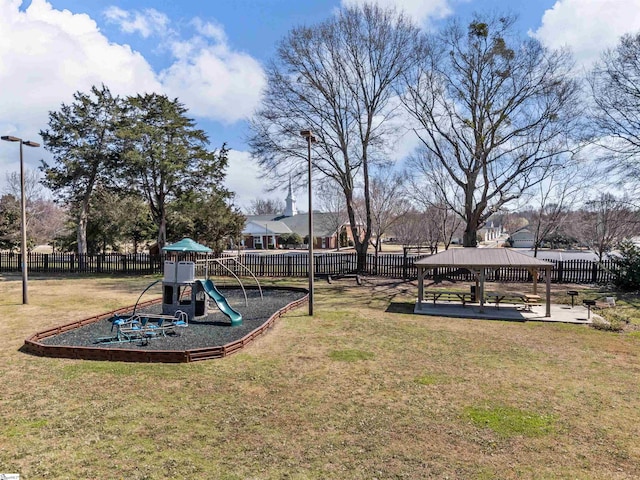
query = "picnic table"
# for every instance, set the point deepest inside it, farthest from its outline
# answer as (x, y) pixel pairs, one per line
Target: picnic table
(527, 299)
(435, 295)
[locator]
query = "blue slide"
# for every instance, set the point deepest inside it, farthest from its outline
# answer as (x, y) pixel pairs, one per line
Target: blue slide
(222, 303)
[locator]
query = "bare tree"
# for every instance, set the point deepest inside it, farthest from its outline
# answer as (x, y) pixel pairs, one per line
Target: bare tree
(339, 80)
(615, 85)
(426, 190)
(33, 189)
(332, 202)
(432, 231)
(495, 110)
(410, 229)
(554, 199)
(33, 193)
(51, 223)
(387, 204)
(448, 222)
(605, 222)
(265, 206)
(512, 221)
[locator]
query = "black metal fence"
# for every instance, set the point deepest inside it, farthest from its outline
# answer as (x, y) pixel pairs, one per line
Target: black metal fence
(295, 265)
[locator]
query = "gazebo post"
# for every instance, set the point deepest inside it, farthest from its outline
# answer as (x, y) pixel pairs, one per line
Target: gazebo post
(420, 287)
(548, 275)
(534, 274)
(475, 274)
(482, 275)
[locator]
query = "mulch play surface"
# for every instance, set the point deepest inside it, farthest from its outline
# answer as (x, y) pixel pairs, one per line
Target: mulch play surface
(206, 331)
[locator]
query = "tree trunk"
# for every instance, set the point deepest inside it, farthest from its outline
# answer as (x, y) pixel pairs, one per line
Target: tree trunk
(376, 248)
(82, 234)
(361, 252)
(162, 232)
(470, 236)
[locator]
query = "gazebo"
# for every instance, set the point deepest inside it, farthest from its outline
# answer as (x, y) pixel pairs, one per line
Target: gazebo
(480, 260)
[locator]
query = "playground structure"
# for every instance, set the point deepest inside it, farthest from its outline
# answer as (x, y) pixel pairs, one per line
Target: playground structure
(183, 292)
(184, 297)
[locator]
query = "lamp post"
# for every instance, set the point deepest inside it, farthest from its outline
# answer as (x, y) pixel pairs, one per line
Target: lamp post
(310, 139)
(23, 220)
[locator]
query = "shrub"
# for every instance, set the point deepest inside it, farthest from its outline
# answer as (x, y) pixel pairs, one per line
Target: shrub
(615, 321)
(627, 267)
(607, 326)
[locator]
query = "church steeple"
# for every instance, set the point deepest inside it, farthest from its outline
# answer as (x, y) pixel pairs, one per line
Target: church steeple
(290, 208)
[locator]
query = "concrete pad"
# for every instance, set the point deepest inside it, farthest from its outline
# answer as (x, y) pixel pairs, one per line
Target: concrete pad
(559, 313)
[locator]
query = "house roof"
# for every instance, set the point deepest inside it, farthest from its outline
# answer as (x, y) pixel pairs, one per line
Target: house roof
(266, 227)
(322, 223)
(481, 258)
(523, 231)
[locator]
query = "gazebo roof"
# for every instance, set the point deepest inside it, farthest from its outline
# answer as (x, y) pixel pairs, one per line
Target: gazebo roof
(481, 258)
(187, 245)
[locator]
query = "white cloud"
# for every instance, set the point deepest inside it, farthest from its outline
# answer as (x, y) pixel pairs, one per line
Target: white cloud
(211, 30)
(45, 56)
(207, 75)
(146, 22)
(243, 178)
(588, 27)
(213, 80)
(422, 11)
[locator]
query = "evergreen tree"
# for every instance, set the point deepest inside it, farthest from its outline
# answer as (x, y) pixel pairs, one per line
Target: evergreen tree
(9, 222)
(81, 138)
(165, 155)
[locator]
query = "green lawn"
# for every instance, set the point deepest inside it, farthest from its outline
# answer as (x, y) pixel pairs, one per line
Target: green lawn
(362, 390)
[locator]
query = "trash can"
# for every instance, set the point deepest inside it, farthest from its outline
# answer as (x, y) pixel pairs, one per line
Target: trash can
(473, 293)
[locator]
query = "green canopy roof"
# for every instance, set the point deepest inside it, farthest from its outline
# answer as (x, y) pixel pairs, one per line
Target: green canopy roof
(186, 245)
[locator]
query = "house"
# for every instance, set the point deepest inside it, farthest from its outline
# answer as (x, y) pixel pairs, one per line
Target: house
(521, 238)
(260, 232)
(265, 231)
(490, 232)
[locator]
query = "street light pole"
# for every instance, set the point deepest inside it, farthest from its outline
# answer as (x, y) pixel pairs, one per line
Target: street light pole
(310, 139)
(23, 220)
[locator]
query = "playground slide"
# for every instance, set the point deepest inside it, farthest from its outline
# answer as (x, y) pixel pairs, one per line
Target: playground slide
(222, 303)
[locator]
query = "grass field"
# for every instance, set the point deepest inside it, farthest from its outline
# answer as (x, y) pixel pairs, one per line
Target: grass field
(362, 390)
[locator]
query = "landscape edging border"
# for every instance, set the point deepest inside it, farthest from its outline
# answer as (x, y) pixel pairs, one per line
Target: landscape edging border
(33, 345)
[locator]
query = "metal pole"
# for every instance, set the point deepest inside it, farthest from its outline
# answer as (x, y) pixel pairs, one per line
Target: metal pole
(23, 231)
(311, 262)
(23, 220)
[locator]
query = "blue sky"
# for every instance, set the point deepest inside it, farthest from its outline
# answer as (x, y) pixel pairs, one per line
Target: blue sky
(210, 54)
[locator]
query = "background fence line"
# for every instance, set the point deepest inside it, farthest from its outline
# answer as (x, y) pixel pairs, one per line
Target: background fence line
(295, 265)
